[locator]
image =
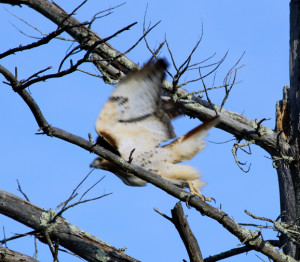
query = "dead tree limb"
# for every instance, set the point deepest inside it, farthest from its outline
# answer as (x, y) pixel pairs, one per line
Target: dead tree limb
(235, 251)
(191, 244)
(246, 236)
(238, 125)
(287, 126)
(8, 255)
(71, 237)
(179, 220)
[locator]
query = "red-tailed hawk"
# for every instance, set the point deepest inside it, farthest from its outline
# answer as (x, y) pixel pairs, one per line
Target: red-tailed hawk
(134, 117)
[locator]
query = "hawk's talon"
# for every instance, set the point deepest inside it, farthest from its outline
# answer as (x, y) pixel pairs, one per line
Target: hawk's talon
(208, 199)
(136, 116)
(187, 200)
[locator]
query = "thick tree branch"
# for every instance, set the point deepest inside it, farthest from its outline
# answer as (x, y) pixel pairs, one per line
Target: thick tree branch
(71, 237)
(287, 126)
(180, 222)
(236, 124)
(246, 236)
(113, 65)
(236, 251)
(8, 255)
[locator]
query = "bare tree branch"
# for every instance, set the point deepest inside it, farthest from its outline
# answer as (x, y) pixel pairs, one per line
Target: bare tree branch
(236, 124)
(65, 205)
(21, 191)
(111, 67)
(289, 230)
(8, 255)
(72, 68)
(244, 235)
(236, 251)
(234, 149)
(179, 220)
(71, 237)
(109, 11)
(43, 41)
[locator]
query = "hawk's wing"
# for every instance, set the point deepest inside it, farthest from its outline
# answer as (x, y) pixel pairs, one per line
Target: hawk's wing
(133, 117)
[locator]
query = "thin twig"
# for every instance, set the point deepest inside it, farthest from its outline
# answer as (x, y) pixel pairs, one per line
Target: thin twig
(40, 42)
(138, 41)
(90, 188)
(206, 93)
(89, 73)
(17, 236)
(35, 248)
(85, 201)
(4, 237)
(154, 54)
(237, 146)
(290, 230)
(51, 247)
(162, 214)
(21, 191)
(74, 192)
(236, 251)
(227, 79)
(106, 10)
(74, 67)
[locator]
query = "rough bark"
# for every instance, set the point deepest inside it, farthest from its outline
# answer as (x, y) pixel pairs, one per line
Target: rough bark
(179, 220)
(287, 126)
(71, 237)
(286, 149)
(294, 96)
(250, 238)
(113, 65)
(246, 236)
(8, 255)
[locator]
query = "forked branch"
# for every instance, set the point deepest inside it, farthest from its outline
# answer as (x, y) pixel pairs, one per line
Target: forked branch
(250, 238)
(179, 219)
(236, 124)
(71, 237)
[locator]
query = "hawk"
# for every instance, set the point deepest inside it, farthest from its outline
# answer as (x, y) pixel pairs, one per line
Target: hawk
(136, 118)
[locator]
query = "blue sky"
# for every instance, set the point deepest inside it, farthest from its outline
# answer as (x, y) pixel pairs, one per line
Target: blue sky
(48, 169)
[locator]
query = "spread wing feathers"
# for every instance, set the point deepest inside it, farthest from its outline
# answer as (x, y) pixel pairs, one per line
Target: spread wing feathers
(138, 95)
(134, 114)
(188, 145)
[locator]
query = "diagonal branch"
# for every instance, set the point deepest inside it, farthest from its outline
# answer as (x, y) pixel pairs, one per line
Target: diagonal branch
(236, 124)
(236, 251)
(246, 236)
(8, 255)
(40, 42)
(74, 67)
(71, 237)
(180, 221)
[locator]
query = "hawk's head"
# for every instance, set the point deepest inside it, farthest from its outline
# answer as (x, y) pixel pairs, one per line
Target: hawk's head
(99, 162)
(127, 178)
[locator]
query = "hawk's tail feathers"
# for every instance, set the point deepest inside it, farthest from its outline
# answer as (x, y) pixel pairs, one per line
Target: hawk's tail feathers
(188, 145)
(201, 129)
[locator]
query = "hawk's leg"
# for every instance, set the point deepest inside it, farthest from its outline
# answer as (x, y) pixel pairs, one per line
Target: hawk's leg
(196, 192)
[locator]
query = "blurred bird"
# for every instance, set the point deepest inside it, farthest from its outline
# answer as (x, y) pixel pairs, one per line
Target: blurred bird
(136, 118)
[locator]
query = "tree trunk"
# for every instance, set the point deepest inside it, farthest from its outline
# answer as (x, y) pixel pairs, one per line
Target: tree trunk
(287, 124)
